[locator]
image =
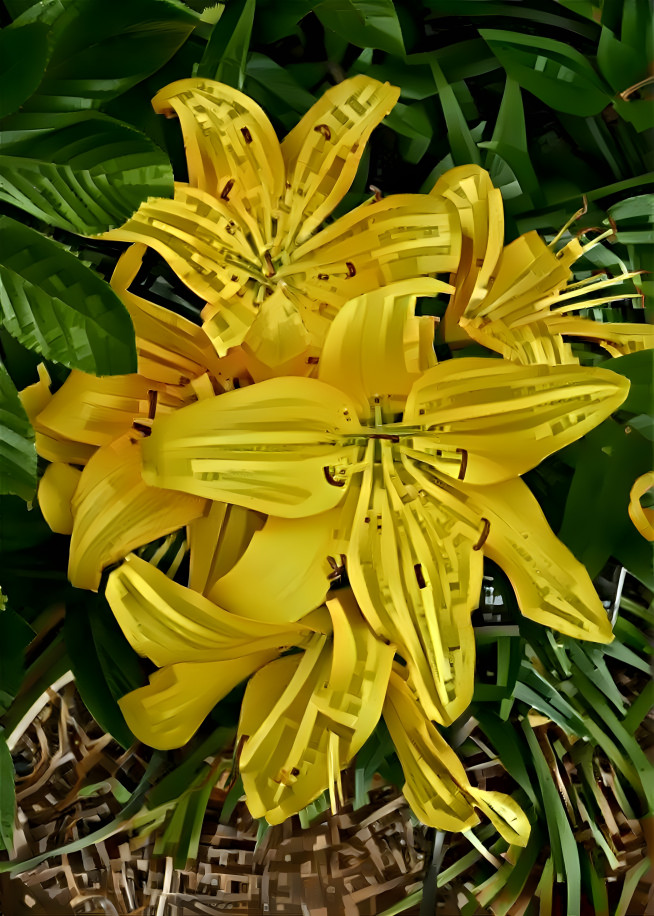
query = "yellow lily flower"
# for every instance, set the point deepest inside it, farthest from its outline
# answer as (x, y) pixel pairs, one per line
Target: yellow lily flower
(242, 233)
(403, 472)
(304, 715)
(518, 299)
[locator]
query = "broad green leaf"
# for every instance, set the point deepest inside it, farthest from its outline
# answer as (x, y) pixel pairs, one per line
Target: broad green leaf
(365, 23)
(82, 172)
(554, 72)
(55, 305)
(7, 795)
(226, 53)
(276, 89)
(276, 20)
(98, 50)
(620, 65)
(411, 122)
(463, 147)
(15, 634)
(17, 451)
(23, 57)
(28, 527)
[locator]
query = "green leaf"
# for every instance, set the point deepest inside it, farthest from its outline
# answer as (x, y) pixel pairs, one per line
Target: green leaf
(17, 451)
(7, 795)
(554, 72)
(276, 89)
(226, 53)
(365, 23)
(98, 50)
(619, 65)
(82, 172)
(411, 122)
(23, 56)
(276, 20)
(463, 147)
(55, 305)
(15, 634)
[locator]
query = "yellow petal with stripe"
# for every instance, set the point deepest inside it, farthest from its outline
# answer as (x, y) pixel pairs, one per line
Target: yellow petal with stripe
(415, 573)
(618, 339)
(114, 511)
(284, 572)
(502, 419)
(642, 518)
(167, 713)
(56, 448)
(217, 541)
(275, 447)
(323, 150)
(228, 138)
(305, 716)
(437, 787)
(56, 490)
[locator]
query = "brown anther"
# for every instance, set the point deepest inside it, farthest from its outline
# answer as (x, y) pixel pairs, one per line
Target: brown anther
(295, 772)
(228, 187)
(269, 265)
(142, 428)
(184, 380)
(313, 360)
(464, 462)
(337, 569)
(484, 534)
(324, 130)
(323, 276)
(419, 576)
(332, 480)
(234, 278)
(351, 269)
(152, 403)
(378, 194)
(384, 436)
(247, 136)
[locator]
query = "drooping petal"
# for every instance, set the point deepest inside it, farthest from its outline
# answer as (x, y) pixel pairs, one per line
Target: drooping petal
(284, 572)
(481, 215)
(114, 511)
(227, 320)
(400, 237)
(551, 586)
(167, 713)
(217, 541)
(304, 716)
(617, 338)
(500, 419)
(274, 447)
(171, 349)
(417, 578)
(642, 518)
(56, 490)
(437, 787)
(230, 143)
(377, 347)
(35, 399)
(323, 150)
(170, 623)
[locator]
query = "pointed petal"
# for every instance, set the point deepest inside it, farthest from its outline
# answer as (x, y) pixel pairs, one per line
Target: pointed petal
(528, 345)
(284, 572)
(437, 787)
(417, 578)
(170, 348)
(618, 338)
(228, 138)
(503, 419)
(227, 320)
(269, 447)
(167, 713)
(642, 518)
(35, 399)
(278, 333)
(400, 237)
(306, 715)
(322, 152)
(115, 512)
(377, 347)
(56, 491)
(481, 214)
(170, 623)
(217, 541)
(551, 586)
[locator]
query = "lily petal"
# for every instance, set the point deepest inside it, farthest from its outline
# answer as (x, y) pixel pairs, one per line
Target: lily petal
(305, 716)
(551, 586)
(56, 490)
(115, 512)
(503, 419)
(417, 578)
(35, 399)
(167, 713)
(481, 214)
(170, 623)
(377, 347)
(323, 150)
(437, 787)
(400, 237)
(284, 572)
(217, 541)
(642, 518)
(618, 339)
(268, 447)
(228, 141)
(278, 333)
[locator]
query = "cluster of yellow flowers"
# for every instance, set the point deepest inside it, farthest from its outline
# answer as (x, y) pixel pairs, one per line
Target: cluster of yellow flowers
(340, 487)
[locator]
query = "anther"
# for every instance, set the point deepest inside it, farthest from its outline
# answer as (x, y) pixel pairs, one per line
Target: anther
(464, 462)
(142, 428)
(269, 264)
(228, 187)
(378, 194)
(484, 534)
(419, 575)
(323, 276)
(247, 136)
(152, 403)
(324, 130)
(351, 269)
(332, 480)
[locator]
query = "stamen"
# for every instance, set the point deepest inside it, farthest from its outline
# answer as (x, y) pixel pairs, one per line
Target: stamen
(484, 534)
(384, 436)
(228, 187)
(142, 428)
(247, 136)
(269, 264)
(630, 91)
(464, 463)
(378, 194)
(324, 130)
(332, 480)
(572, 220)
(351, 269)
(419, 575)
(152, 403)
